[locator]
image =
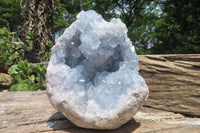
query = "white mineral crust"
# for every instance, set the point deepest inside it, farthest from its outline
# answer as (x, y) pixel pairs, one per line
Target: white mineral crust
(92, 76)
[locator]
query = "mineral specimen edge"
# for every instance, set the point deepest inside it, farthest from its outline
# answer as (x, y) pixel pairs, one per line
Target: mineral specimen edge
(92, 76)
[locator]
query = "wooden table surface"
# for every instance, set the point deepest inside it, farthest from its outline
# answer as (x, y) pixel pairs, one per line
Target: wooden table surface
(31, 112)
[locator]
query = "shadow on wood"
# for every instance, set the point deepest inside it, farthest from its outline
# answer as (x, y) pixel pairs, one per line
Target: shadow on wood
(59, 122)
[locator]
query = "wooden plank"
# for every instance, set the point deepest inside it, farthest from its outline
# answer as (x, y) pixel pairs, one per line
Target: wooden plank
(174, 82)
(31, 112)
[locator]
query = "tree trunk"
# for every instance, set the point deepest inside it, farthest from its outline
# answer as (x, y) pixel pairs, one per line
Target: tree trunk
(38, 16)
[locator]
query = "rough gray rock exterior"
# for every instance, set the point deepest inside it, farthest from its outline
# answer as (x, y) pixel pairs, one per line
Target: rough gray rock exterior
(92, 76)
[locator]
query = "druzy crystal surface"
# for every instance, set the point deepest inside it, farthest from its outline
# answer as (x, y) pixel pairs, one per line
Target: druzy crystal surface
(92, 76)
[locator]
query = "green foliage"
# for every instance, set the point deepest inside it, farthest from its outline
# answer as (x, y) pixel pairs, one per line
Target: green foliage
(48, 54)
(10, 52)
(154, 27)
(28, 77)
(31, 39)
(142, 28)
(178, 31)
(10, 14)
(66, 11)
(158, 27)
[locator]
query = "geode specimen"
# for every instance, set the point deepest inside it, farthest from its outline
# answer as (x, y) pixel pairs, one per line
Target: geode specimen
(92, 76)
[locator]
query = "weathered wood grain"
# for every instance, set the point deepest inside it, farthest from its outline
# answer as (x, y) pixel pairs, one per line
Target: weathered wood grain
(174, 82)
(31, 112)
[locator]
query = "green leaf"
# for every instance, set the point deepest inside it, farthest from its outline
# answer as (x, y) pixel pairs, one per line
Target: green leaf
(34, 87)
(13, 69)
(20, 87)
(33, 77)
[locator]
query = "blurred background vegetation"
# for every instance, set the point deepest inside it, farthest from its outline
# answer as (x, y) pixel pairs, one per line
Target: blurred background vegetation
(29, 28)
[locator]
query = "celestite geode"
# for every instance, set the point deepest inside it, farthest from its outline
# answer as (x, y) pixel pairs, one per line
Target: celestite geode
(92, 76)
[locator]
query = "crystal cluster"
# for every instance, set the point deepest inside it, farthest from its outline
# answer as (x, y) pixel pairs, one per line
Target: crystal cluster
(92, 76)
